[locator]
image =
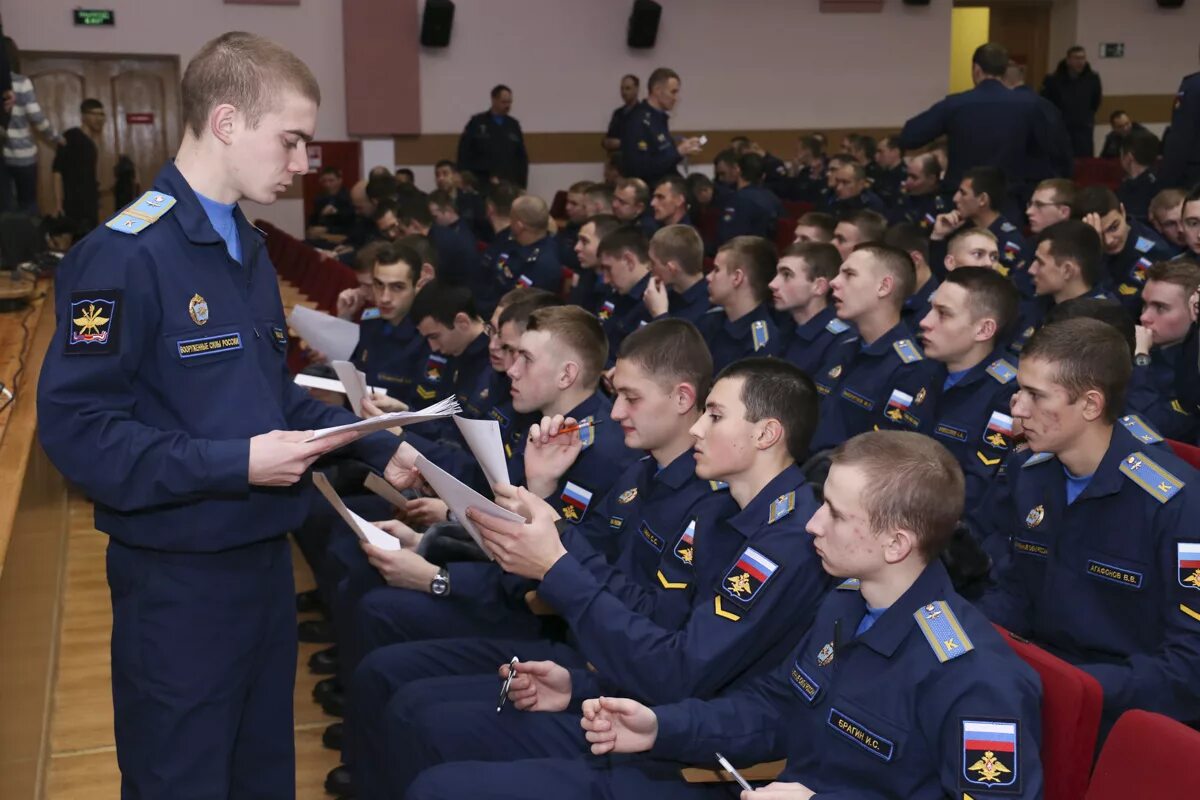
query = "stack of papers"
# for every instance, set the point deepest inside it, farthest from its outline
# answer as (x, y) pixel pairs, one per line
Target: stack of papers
(459, 497)
(355, 382)
(329, 384)
(397, 419)
(365, 531)
(483, 437)
(331, 336)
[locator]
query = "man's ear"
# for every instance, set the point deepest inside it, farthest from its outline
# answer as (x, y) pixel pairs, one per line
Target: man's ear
(738, 277)
(461, 321)
(568, 374)
(684, 398)
(770, 431)
(1093, 404)
(221, 122)
(898, 545)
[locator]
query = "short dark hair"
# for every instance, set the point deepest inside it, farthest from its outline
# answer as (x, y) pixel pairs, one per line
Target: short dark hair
(909, 237)
(989, 294)
(422, 247)
(324, 170)
(442, 302)
(1144, 146)
(1110, 312)
(92, 104)
(1193, 195)
(671, 351)
(530, 300)
(445, 162)
(625, 238)
(777, 389)
(381, 187)
(726, 156)
(1076, 48)
(871, 224)
(863, 142)
(814, 145)
(756, 257)
(676, 182)
(502, 195)
(991, 58)
(442, 199)
(896, 263)
(659, 76)
(406, 172)
(498, 88)
(1120, 112)
(630, 76)
(1086, 354)
(1094, 200)
(697, 181)
(820, 220)
(415, 210)
(821, 260)
(1075, 240)
(751, 166)
(989, 181)
(604, 224)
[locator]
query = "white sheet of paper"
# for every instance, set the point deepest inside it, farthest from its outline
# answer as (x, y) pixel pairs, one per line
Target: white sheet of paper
(328, 384)
(444, 408)
(385, 490)
(363, 529)
(459, 497)
(355, 383)
(483, 437)
(333, 337)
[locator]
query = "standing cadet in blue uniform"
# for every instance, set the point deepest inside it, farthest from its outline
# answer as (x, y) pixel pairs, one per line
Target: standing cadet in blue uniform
(757, 584)
(992, 125)
(1130, 247)
(492, 146)
(679, 289)
(752, 209)
(1180, 165)
(625, 267)
(739, 284)
(800, 290)
(166, 398)
(965, 332)
(877, 378)
(1166, 317)
(647, 149)
(901, 689)
(1105, 567)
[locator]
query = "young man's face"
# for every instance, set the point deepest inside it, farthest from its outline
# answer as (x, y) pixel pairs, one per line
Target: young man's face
(644, 408)
(949, 330)
(444, 177)
(966, 201)
(1114, 229)
(389, 227)
(619, 272)
(724, 437)
(1166, 312)
(502, 103)
(93, 120)
(330, 183)
(536, 372)
(625, 204)
(972, 250)
(916, 182)
(263, 160)
(792, 287)
(666, 203)
(847, 236)
(1043, 211)
(586, 244)
(629, 91)
(509, 342)
(448, 341)
(496, 353)
(858, 287)
(1050, 420)
(393, 288)
(1122, 124)
(1049, 275)
(721, 279)
(1191, 226)
(845, 183)
(810, 233)
(842, 535)
(1169, 222)
(576, 208)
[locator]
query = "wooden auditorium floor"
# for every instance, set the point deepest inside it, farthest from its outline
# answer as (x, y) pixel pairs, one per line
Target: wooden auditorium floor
(83, 761)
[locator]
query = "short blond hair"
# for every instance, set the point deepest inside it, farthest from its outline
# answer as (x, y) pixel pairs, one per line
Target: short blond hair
(248, 72)
(580, 332)
(681, 244)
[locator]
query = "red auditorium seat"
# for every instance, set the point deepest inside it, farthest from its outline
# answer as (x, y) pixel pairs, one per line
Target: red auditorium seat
(785, 232)
(1098, 172)
(1146, 755)
(706, 223)
(1071, 702)
(567, 283)
(796, 208)
(1188, 452)
(558, 208)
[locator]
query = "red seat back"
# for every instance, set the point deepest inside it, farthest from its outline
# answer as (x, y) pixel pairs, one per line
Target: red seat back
(1188, 452)
(785, 232)
(1146, 755)
(797, 208)
(1098, 172)
(1071, 703)
(558, 206)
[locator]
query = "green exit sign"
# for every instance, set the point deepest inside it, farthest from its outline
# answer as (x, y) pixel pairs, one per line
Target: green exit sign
(93, 17)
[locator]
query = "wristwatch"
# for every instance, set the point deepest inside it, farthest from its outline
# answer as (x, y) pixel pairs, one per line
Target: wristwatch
(1141, 360)
(440, 585)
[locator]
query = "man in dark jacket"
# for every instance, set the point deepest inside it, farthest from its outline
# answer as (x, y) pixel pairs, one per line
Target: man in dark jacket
(492, 145)
(1075, 89)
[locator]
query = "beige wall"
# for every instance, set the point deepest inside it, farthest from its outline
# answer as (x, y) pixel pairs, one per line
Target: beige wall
(1161, 45)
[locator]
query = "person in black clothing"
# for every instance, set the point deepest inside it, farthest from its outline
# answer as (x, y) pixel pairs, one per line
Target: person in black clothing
(332, 209)
(648, 150)
(126, 186)
(1122, 125)
(616, 124)
(1075, 88)
(77, 190)
(492, 145)
(1139, 151)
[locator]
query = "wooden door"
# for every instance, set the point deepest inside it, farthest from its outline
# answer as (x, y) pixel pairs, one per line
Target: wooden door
(140, 95)
(1023, 28)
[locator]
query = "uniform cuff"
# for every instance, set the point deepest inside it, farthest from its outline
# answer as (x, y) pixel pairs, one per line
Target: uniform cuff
(565, 585)
(227, 465)
(672, 741)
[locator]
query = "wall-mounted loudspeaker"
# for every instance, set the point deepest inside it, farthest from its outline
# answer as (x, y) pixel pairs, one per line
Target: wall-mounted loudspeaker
(436, 23)
(916, 2)
(1170, 3)
(643, 24)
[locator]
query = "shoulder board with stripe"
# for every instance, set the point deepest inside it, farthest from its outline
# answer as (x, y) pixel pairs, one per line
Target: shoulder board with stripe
(1001, 370)
(140, 215)
(849, 585)
(837, 326)
(943, 631)
(718, 486)
(907, 351)
(1140, 429)
(1007, 227)
(1036, 459)
(369, 314)
(1160, 484)
(1143, 245)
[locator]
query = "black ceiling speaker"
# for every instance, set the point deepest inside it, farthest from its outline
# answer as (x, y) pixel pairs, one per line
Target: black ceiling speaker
(643, 24)
(436, 23)
(1170, 3)
(916, 2)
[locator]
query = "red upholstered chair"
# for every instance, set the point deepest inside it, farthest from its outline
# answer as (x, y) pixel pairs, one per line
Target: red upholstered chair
(1071, 701)
(785, 232)
(1146, 755)
(706, 223)
(1188, 452)
(567, 283)
(481, 246)
(558, 206)
(1098, 172)
(796, 208)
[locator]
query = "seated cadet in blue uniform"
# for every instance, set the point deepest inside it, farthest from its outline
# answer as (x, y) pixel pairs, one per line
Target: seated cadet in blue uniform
(1067, 265)
(332, 210)
(1189, 217)
(890, 174)
(445, 315)
(851, 190)
(568, 234)
(809, 178)
(166, 398)
(877, 377)
(858, 227)
(534, 261)
(1180, 167)
(800, 289)
(624, 260)
(752, 209)
(648, 151)
(1166, 210)
(911, 239)
(587, 289)
(972, 247)
(977, 202)
(669, 203)
(1104, 566)
(1051, 202)
(1130, 247)
(492, 146)
(1167, 316)
(446, 216)
(900, 689)
(924, 198)
(965, 332)
(631, 205)
(747, 613)
(469, 203)
(457, 258)
(1139, 152)
(815, 226)
(678, 290)
(993, 125)
(741, 323)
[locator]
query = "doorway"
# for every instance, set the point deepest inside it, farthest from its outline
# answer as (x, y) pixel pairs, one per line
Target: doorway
(140, 95)
(1023, 28)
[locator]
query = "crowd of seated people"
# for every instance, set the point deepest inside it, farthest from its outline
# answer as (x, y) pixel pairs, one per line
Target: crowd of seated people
(742, 459)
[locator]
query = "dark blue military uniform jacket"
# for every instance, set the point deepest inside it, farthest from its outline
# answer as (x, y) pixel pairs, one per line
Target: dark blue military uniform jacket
(647, 149)
(1153, 395)
(750, 211)
(808, 345)
(1127, 269)
(396, 358)
(752, 334)
(1180, 165)
(493, 148)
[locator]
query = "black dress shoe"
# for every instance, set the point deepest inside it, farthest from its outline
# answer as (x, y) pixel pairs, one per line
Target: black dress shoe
(340, 782)
(324, 662)
(332, 737)
(326, 687)
(315, 631)
(334, 703)
(309, 601)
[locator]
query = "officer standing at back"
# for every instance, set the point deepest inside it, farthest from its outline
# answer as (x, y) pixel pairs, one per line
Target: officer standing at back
(1180, 164)
(492, 145)
(165, 396)
(647, 149)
